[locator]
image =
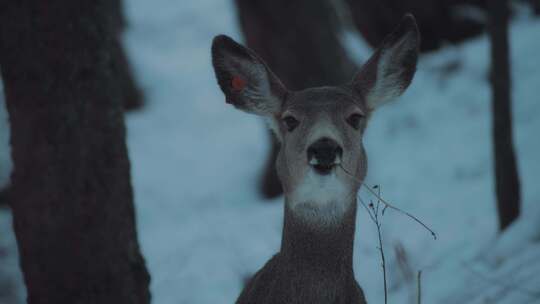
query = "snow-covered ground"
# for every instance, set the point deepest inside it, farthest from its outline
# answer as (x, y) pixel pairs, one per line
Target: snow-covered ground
(204, 229)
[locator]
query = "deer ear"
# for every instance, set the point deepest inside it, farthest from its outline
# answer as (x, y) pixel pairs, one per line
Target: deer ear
(391, 68)
(244, 78)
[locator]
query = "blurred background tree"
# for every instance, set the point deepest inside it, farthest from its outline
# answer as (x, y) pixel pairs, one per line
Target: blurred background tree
(440, 22)
(300, 41)
(535, 4)
(507, 186)
(67, 83)
(132, 96)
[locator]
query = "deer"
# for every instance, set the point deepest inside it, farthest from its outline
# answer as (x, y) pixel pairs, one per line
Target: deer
(321, 162)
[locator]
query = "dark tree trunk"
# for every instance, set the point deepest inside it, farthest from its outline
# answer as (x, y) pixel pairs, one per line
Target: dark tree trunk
(506, 175)
(132, 96)
(535, 4)
(299, 41)
(437, 21)
(70, 191)
(3, 197)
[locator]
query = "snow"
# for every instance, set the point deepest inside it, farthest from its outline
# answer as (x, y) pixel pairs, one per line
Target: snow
(195, 164)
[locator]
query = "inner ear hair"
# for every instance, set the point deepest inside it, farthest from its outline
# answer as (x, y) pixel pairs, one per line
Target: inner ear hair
(388, 73)
(245, 79)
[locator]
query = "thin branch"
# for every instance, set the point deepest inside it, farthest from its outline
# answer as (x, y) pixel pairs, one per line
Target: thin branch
(383, 263)
(419, 284)
(373, 212)
(400, 211)
(367, 209)
(388, 205)
(374, 215)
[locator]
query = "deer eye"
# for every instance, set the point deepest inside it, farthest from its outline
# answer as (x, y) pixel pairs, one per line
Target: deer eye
(354, 120)
(290, 123)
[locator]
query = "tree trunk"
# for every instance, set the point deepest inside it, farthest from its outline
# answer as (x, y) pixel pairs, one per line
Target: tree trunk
(3, 197)
(437, 20)
(132, 96)
(506, 175)
(535, 4)
(299, 40)
(70, 191)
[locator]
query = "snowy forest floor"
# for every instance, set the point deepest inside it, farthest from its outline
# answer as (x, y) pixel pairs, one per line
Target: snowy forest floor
(203, 227)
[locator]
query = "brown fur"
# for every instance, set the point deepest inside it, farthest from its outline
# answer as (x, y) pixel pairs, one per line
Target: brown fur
(314, 264)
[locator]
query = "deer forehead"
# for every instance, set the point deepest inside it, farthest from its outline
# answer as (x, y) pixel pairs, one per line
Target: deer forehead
(324, 101)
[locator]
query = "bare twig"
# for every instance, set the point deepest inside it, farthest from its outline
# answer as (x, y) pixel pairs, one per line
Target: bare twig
(419, 284)
(373, 212)
(387, 204)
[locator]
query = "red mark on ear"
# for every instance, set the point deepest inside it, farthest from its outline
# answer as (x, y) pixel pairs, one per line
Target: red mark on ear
(238, 83)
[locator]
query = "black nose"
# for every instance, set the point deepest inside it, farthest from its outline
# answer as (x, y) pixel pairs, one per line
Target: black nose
(325, 151)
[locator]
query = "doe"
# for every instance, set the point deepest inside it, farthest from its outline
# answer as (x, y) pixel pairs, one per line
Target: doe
(321, 163)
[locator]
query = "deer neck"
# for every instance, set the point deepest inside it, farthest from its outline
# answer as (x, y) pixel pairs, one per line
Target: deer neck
(316, 242)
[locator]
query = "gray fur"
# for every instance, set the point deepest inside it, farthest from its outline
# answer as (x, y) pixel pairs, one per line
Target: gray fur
(314, 264)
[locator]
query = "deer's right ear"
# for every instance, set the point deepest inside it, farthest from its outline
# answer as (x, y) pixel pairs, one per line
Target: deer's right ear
(244, 78)
(390, 70)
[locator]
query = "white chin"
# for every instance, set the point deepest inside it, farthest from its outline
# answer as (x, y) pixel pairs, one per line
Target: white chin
(320, 197)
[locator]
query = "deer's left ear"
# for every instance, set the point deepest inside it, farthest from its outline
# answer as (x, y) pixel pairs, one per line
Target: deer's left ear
(244, 78)
(390, 70)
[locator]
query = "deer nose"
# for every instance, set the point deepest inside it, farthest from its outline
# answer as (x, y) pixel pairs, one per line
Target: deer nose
(324, 152)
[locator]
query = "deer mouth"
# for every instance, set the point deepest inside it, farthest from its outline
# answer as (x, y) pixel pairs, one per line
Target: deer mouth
(323, 169)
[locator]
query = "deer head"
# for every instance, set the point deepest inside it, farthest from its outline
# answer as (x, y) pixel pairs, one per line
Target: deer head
(322, 159)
